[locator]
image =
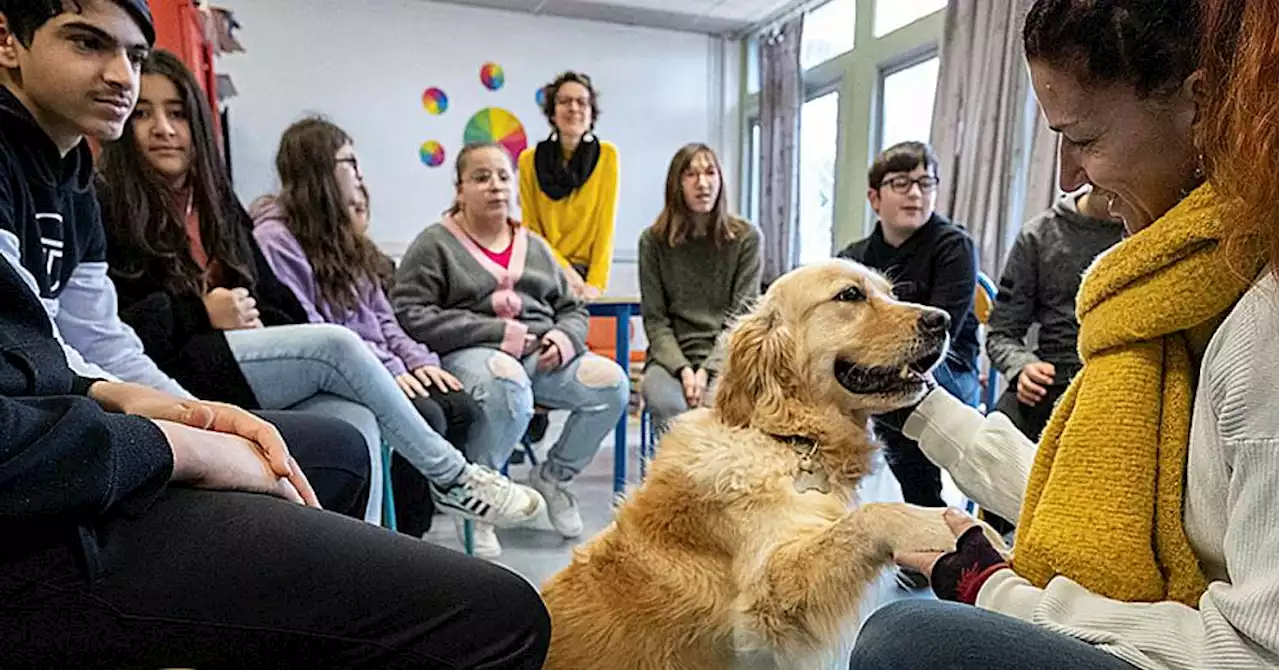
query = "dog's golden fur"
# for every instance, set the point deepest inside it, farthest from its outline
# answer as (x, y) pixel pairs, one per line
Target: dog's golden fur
(718, 557)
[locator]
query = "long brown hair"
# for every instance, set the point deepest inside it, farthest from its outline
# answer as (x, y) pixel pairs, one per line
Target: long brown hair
(317, 216)
(144, 220)
(1239, 135)
(675, 223)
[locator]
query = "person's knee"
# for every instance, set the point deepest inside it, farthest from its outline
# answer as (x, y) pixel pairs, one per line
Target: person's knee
(889, 635)
(506, 390)
(604, 379)
(526, 616)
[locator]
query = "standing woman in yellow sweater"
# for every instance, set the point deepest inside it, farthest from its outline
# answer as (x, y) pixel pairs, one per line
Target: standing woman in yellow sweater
(569, 185)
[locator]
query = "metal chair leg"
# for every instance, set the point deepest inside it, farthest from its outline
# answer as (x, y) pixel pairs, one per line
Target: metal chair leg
(388, 497)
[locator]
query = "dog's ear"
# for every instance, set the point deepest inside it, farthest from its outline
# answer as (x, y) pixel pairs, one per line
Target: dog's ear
(758, 374)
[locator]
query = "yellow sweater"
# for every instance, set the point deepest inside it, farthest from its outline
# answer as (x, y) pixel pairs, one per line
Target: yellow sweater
(579, 228)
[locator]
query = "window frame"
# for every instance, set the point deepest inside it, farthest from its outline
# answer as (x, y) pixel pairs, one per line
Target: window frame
(858, 76)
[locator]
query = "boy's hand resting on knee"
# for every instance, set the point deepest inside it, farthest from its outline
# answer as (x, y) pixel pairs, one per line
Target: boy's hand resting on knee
(221, 461)
(206, 417)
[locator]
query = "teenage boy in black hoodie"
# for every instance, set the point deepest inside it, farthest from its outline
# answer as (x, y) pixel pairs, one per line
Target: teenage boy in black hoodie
(931, 261)
(104, 563)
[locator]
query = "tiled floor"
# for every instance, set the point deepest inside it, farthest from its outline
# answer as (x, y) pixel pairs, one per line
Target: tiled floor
(538, 552)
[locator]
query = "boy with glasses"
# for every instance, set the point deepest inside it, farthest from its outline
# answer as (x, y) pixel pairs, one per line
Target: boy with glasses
(931, 261)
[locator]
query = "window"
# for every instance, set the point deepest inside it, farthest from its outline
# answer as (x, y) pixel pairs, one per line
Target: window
(906, 103)
(753, 65)
(819, 130)
(828, 32)
(894, 14)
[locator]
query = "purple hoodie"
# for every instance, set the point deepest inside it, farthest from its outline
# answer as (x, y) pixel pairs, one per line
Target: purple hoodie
(372, 319)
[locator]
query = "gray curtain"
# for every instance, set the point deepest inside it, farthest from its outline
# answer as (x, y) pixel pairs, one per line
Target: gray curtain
(998, 158)
(781, 94)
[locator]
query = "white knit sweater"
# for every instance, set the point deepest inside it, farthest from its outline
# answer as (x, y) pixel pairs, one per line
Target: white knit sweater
(1230, 509)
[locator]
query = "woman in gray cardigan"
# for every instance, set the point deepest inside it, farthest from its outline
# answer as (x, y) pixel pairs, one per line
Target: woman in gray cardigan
(489, 297)
(699, 267)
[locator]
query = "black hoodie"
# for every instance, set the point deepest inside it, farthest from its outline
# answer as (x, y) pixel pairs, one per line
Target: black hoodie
(65, 463)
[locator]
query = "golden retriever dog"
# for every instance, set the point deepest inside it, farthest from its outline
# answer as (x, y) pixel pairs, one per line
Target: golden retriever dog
(741, 549)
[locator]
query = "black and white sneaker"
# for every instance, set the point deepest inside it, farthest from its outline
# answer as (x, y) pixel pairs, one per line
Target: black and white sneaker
(486, 496)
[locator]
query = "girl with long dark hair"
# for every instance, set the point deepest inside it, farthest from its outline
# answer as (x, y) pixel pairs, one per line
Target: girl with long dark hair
(213, 315)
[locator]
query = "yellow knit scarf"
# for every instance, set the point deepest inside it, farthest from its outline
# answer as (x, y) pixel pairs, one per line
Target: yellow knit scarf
(1103, 505)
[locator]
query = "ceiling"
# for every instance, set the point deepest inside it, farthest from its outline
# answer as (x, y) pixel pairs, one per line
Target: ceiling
(715, 17)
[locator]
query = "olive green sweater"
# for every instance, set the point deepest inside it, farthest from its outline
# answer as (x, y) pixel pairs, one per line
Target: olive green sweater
(689, 294)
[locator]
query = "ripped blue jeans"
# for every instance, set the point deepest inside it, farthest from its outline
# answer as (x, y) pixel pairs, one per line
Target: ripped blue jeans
(592, 388)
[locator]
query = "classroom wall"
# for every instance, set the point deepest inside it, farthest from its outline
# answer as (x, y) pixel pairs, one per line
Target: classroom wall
(365, 64)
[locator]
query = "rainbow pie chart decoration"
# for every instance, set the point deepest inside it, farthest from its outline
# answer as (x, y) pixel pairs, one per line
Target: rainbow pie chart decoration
(435, 101)
(491, 76)
(431, 153)
(494, 124)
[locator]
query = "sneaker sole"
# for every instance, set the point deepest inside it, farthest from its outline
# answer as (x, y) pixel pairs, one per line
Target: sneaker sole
(458, 512)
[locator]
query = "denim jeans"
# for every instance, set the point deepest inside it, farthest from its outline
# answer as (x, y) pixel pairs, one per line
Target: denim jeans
(663, 396)
(934, 635)
(591, 387)
(288, 364)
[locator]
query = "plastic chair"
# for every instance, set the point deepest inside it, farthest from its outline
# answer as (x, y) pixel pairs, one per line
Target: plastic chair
(984, 300)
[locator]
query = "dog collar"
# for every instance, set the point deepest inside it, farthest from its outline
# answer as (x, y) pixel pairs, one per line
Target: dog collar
(810, 476)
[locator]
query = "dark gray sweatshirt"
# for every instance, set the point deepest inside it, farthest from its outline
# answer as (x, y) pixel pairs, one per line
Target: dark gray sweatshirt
(1039, 286)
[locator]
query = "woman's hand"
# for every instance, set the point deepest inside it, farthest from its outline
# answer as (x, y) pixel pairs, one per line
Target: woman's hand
(222, 461)
(232, 309)
(957, 575)
(549, 357)
(1032, 382)
(694, 385)
(590, 292)
(431, 375)
(126, 398)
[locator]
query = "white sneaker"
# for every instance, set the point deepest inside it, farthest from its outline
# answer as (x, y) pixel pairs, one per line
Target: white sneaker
(562, 506)
(483, 536)
(484, 495)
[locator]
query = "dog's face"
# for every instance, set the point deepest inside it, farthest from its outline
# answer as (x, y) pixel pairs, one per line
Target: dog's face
(830, 334)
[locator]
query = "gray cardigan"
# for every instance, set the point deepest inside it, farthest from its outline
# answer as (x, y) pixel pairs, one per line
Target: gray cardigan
(449, 295)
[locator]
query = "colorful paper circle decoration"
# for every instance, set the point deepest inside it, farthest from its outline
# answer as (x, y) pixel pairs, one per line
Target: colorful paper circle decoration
(435, 101)
(431, 153)
(491, 76)
(540, 97)
(494, 124)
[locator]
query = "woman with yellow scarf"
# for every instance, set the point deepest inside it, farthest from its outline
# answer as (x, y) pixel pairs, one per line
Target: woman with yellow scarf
(1147, 534)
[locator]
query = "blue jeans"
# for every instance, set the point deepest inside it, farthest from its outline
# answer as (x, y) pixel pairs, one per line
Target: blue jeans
(591, 387)
(286, 365)
(935, 635)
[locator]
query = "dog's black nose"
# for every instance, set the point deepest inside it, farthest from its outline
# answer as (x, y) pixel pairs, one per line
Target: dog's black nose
(934, 321)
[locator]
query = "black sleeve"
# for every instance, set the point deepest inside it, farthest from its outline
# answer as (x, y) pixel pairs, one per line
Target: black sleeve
(163, 321)
(277, 305)
(955, 278)
(63, 458)
(856, 252)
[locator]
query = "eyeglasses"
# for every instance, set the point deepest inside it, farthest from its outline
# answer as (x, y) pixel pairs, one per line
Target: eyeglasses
(566, 101)
(350, 160)
(903, 184)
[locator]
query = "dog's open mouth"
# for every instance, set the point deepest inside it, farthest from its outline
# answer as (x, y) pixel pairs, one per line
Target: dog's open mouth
(883, 379)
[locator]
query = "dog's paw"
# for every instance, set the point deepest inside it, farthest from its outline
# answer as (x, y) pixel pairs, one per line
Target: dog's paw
(908, 528)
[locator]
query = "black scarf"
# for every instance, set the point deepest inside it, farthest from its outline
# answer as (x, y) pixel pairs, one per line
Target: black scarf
(557, 178)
